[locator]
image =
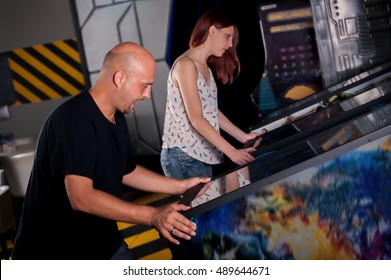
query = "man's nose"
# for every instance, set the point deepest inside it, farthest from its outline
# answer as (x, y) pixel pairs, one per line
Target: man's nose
(147, 93)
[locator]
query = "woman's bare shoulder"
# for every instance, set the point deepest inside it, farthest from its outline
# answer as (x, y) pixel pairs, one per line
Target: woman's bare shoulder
(185, 62)
(184, 65)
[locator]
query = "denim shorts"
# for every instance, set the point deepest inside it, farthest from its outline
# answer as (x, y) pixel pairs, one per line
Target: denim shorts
(177, 164)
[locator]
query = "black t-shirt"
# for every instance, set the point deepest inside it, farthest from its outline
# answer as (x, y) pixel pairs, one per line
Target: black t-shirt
(75, 139)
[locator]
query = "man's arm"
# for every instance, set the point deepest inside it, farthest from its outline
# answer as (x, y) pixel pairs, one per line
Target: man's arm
(83, 197)
(147, 180)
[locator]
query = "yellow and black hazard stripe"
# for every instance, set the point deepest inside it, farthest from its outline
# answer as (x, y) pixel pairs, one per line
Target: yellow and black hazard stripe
(44, 72)
(145, 241)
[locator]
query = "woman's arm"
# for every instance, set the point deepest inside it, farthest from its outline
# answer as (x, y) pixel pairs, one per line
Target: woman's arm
(185, 75)
(226, 125)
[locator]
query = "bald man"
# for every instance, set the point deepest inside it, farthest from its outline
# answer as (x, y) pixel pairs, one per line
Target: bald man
(83, 157)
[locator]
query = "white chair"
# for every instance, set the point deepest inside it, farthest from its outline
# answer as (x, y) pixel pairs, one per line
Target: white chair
(17, 168)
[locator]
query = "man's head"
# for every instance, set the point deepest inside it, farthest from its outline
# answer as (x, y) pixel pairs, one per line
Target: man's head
(127, 74)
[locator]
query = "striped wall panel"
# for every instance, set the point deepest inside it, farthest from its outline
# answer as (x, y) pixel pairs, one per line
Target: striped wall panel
(44, 72)
(145, 241)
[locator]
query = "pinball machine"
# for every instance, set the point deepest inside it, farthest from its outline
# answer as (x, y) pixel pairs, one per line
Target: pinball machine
(319, 187)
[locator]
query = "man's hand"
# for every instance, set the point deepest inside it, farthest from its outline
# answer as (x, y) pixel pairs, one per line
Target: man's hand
(193, 181)
(172, 224)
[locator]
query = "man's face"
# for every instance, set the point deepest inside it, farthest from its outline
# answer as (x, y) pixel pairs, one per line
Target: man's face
(137, 87)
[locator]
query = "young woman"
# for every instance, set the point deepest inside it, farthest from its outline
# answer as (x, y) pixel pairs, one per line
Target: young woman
(191, 139)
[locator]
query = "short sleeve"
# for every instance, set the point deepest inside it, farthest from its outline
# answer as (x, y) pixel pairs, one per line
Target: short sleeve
(74, 147)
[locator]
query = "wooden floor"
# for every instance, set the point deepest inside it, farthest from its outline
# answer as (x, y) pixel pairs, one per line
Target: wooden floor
(144, 241)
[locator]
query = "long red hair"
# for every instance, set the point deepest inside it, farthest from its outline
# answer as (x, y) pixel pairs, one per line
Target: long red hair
(222, 67)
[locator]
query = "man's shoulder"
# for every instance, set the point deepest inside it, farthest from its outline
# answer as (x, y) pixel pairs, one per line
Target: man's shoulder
(78, 102)
(71, 109)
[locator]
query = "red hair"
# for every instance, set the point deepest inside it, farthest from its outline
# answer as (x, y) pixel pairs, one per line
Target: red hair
(223, 67)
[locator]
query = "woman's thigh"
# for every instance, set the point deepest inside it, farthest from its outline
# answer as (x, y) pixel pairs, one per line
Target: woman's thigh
(178, 164)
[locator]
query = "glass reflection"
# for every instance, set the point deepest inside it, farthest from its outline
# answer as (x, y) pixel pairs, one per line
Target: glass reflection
(223, 184)
(270, 160)
(346, 114)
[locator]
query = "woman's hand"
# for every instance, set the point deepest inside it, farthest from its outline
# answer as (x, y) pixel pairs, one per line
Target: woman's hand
(253, 140)
(242, 156)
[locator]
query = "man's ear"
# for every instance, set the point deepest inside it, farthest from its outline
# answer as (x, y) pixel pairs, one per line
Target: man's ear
(119, 77)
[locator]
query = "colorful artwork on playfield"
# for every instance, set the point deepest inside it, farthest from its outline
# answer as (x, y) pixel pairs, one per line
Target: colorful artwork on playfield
(340, 209)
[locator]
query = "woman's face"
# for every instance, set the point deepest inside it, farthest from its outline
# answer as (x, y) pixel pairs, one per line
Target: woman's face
(222, 40)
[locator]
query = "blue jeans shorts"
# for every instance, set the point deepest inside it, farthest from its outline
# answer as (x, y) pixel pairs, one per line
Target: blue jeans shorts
(177, 164)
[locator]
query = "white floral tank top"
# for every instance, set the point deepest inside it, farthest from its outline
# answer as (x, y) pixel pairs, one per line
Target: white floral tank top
(178, 131)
